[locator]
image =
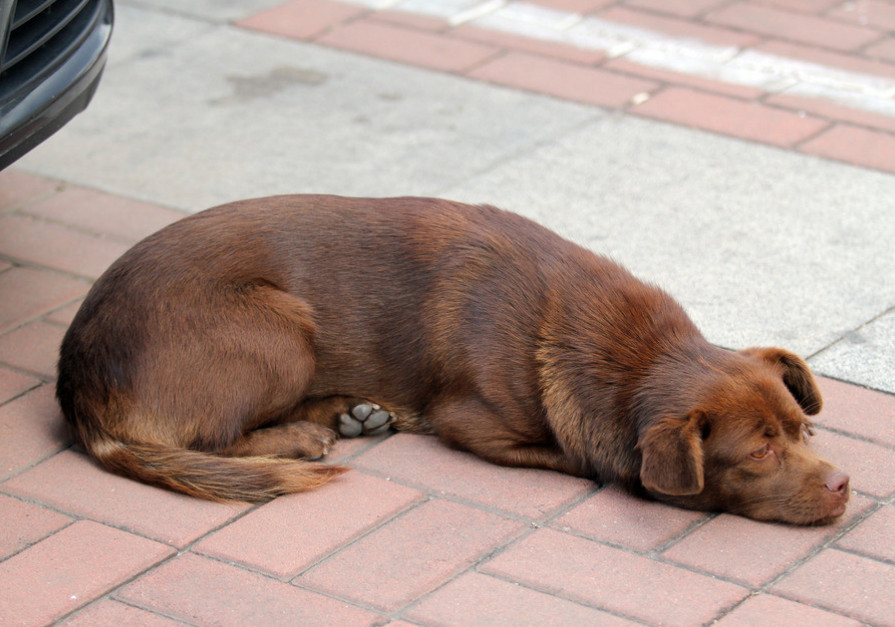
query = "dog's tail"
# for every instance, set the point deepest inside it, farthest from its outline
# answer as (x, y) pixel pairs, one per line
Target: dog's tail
(206, 475)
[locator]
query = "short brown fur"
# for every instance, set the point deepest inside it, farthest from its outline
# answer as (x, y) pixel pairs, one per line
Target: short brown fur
(218, 350)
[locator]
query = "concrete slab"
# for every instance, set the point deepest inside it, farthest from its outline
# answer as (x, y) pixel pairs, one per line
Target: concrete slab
(213, 10)
(762, 246)
(232, 114)
(131, 41)
(866, 355)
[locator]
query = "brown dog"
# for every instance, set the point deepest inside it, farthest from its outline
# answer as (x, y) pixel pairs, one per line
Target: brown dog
(235, 339)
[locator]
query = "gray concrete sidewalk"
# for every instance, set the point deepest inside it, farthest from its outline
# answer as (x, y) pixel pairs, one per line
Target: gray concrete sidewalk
(762, 246)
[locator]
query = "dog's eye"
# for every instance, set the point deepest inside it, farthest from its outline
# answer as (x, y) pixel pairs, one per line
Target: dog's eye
(761, 453)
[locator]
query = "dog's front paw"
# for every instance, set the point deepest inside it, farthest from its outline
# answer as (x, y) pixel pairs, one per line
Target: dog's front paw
(366, 419)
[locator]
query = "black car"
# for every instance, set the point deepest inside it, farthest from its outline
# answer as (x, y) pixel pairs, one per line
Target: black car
(52, 54)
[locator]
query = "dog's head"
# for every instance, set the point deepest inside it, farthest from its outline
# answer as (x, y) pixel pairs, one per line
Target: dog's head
(742, 445)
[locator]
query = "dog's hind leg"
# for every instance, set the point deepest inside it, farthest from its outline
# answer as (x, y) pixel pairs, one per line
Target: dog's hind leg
(302, 440)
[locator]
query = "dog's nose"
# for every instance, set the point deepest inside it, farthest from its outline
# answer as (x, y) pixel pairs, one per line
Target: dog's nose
(837, 482)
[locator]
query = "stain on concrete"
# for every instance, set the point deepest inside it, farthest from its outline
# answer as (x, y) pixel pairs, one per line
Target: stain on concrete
(249, 88)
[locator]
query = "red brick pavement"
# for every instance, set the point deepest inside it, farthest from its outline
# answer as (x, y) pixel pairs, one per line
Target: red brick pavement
(418, 534)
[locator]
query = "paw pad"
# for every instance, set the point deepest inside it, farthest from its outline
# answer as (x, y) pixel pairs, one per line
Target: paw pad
(366, 419)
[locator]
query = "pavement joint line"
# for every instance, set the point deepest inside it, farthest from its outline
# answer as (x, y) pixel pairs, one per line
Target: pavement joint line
(799, 145)
(530, 149)
(102, 235)
(827, 607)
(876, 558)
(29, 501)
(386, 615)
(568, 599)
(823, 546)
(816, 603)
(26, 468)
(729, 64)
(375, 440)
(850, 435)
(433, 494)
(696, 524)
(24, 392)
(42, 317)
(473, 566)
(656, 555)
(486, 555)
(325, 557)
(845, 335)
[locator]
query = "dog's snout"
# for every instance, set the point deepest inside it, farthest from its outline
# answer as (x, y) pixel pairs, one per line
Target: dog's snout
(837, 482)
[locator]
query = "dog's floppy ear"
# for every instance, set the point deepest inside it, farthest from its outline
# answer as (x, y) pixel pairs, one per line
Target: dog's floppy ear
(672, 455)
(797, 376)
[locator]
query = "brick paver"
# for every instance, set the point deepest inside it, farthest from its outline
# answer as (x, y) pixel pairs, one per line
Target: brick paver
(290, 534)
(717, 113)
(701, 31)
(24, 524)
(527, 44)
(871, 466)
(884, 50)
(851, 584)
(418, 47)
(108, 612)
(596, 574)
(13, 383)
(876, 13)
(680, 8)
(199, 590)
(102, 214)
(18, 188)
(809, 29)
(69, 569)
(843, 402)
(751, 552)
(32, 430)
(34, 241)
(422, 461)
(418, 552)
(73, 483)
(302, 19)
(563, 80)
(37, 292)
(758, 610)
(875, 537)
(500, 602)
(612, 516)
(862, 146)
(418, 533)
(33, 347)
(828, 58)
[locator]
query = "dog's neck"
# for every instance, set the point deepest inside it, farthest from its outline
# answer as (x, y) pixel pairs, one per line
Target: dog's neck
(620, 359)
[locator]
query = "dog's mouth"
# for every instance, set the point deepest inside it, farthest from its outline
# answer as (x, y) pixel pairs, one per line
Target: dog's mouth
(830, 516)
(838, 511)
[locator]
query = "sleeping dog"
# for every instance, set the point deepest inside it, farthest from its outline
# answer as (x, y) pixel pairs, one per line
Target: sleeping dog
(222, 355)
